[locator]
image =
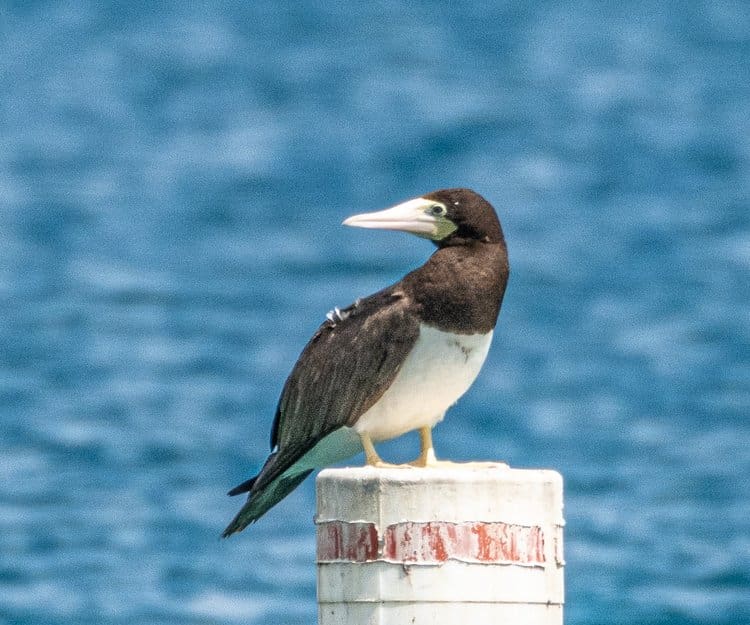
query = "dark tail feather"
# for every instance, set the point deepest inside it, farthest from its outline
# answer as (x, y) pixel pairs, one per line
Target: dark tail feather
(243, 488)
(258, 503)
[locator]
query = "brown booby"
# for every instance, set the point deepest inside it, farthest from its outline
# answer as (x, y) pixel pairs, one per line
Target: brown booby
(394, 361)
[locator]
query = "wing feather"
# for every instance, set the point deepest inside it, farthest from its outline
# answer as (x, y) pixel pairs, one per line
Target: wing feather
(345, 368)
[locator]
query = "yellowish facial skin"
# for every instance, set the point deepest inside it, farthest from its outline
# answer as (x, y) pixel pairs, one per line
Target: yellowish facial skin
(443, 227)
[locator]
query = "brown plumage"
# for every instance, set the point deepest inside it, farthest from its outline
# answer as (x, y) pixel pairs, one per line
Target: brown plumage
(355, 355)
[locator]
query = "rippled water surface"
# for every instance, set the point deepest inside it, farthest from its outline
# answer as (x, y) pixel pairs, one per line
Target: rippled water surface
(172, 182)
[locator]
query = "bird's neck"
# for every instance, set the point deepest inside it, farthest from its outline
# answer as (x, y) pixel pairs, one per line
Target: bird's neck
(460, 288)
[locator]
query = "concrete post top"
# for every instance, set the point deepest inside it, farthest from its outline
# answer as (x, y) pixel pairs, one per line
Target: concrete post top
(476, 543)
(469, 472)
(454, 493)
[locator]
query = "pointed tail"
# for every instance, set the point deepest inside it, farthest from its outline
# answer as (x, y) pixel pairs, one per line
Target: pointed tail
(260, 501)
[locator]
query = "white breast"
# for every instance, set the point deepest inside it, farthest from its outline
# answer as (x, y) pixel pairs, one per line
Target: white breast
(440, 368)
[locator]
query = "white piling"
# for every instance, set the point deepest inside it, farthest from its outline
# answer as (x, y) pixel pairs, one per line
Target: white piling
(464, 545)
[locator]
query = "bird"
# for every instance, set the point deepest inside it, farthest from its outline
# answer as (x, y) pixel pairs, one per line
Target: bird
(395, 361)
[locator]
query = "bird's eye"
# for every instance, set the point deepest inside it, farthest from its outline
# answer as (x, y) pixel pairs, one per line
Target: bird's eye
(438, 210)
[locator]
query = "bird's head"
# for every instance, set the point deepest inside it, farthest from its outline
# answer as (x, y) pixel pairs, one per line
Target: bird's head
(446, 217)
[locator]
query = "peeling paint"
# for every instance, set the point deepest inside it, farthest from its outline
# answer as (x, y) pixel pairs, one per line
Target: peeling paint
(350, 542)
(432, 543)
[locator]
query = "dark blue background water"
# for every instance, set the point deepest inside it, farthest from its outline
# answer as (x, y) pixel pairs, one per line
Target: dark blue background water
(172, 182)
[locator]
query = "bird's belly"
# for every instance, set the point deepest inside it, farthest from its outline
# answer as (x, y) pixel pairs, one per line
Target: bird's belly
(440, 368)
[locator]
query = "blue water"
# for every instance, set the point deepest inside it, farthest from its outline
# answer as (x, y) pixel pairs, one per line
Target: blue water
(172, 182)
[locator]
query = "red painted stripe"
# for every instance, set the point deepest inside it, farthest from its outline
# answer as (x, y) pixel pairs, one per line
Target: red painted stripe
(480, 542)
(351, 542)
(431, 542)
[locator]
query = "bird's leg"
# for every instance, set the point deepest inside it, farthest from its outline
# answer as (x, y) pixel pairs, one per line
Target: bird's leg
(427, 456)
(371, 456)
(427, 452)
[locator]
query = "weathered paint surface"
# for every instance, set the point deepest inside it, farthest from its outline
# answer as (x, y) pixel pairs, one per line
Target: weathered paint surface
(480, 542)
(460, 544)
(351, 542)
(431, 542)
